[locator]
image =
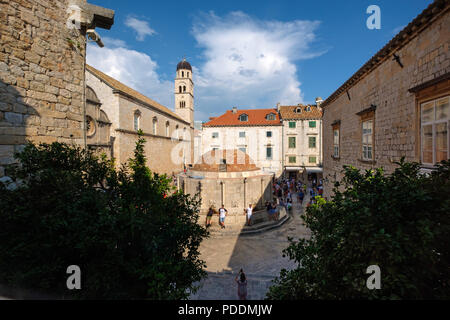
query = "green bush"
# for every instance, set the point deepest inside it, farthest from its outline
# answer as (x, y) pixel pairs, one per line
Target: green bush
(132, 236)
(400, 222)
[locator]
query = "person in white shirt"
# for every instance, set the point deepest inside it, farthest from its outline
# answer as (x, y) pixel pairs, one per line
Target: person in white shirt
(249, 212)
(222, 214)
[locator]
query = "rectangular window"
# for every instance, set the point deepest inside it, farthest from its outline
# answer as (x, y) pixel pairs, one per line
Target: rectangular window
(312, 159)
(292, 159)
(269, 153)
(435, 121)
(269, 134)
(312, 142)
(215, 135)
(242, 134)
(292, 124)
(244, 150)
(291, 142)
(336, 142)
(367, 140)
(312, 124)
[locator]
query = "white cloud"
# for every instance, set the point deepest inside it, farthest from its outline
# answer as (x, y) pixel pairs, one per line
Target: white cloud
(248, 62)
(133, 68)
(140, 26)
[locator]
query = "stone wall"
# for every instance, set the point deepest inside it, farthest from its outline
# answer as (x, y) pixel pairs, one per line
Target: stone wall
(255, 142)
(41, 75)
(396, 119)
(235, 193)
(302, 151)
(120, 111)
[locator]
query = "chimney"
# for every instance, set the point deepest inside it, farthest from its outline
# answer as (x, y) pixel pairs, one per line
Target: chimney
(212, 118)
(278, 106)
(319, 101)
(234, 110)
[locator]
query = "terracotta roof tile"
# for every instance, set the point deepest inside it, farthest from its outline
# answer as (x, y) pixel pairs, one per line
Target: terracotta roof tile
(289, 112)
(256, 117)
(117, 85)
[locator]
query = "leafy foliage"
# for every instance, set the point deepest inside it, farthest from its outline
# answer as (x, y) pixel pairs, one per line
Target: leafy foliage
(400, 222)
(132, 236)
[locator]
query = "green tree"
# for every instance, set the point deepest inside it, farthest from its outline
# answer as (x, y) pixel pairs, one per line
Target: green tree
(132, 235)
(400, 222)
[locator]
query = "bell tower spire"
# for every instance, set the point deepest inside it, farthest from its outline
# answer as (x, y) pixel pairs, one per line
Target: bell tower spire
(184, 92)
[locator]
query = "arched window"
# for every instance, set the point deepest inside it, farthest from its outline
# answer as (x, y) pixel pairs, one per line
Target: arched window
(184, 88)
(179, 88)
(188, 74)
(184, 133)
(167, 129)
(298, 110)
(176, 132)
(308, 108)
(137, 120)
(182, 74)
(155, 122)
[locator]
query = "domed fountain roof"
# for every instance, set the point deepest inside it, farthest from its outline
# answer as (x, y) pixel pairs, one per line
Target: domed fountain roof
(230, 160)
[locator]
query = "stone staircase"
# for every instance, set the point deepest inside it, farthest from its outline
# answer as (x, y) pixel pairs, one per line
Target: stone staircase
(236, 225)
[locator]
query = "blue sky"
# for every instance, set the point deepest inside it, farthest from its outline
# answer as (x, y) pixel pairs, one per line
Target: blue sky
(248, 54)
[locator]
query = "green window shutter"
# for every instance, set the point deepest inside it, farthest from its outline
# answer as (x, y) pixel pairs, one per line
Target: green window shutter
(292, 124)
(312, 124)
(291, 142)
(312, 142)
(312, 159)
(292, 159)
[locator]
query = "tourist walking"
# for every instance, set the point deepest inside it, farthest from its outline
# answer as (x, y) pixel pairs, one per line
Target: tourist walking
(209, 216)
(222, 214)
(249, 212)
(241, 281)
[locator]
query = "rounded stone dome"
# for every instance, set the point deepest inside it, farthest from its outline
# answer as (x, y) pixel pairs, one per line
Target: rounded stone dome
(230, 160)
(184, 65)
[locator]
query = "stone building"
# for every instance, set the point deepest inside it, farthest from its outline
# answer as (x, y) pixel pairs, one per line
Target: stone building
(302, 141)
(256, 132)
(169, 134)
(396, 105)
(42, 60)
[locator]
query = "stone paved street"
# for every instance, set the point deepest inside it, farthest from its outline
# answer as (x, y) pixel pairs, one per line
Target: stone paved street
(259, 255)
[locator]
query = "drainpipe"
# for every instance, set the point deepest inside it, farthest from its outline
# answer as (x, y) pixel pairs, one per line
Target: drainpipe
(282, 149)
(84, 94)
(245, 192)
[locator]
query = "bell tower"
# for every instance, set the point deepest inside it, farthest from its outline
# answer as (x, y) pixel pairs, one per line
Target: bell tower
(184, 92)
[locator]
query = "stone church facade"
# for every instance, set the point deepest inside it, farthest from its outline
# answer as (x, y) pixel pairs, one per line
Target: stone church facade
(396, 105)
(122, 111)
(43, 45)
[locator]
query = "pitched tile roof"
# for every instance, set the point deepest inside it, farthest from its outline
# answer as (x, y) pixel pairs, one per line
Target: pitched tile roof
(256, 117)
(119, 86)
(289, 112)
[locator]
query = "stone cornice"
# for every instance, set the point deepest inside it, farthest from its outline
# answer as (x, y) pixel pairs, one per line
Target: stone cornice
(423, 20)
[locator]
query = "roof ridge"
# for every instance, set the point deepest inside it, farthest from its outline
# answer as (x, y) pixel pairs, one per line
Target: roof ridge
(133, 93)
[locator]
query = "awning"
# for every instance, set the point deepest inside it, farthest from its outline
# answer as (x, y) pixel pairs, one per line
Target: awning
(314, 170)
(293, 168)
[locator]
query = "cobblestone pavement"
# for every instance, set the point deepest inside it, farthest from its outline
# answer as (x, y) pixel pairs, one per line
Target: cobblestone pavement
(260, 256)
